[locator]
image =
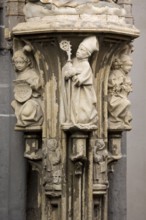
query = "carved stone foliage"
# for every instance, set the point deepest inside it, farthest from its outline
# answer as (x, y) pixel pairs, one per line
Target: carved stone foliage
(52, 165)
(78, 93)
(100, 158)
(119, 87)
(27, 91)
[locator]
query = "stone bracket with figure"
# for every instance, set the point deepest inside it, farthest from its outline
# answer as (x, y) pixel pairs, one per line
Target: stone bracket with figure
(78, 94)
(27, 92)
(52, 165)
(119, 87)
(75, 119)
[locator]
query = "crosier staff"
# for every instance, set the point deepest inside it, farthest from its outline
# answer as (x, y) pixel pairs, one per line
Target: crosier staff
(66, 46)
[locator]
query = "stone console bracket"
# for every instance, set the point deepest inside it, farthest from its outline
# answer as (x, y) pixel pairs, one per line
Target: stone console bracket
(71, 101)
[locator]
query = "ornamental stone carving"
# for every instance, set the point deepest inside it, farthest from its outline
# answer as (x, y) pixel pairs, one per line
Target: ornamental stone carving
(100, 156)
(41, 8)
(27, 91)
(120, 86)
(52, 165)
(78, 95)
(72, 60)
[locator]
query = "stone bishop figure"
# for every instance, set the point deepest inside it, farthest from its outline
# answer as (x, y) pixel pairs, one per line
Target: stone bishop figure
(79, 98)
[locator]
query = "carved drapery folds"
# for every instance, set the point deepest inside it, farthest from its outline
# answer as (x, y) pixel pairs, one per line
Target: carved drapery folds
(43, 8)
(52, 165)
(27, 91)
(100, 158)
(78, 95)
(71, 100)
(119, 87)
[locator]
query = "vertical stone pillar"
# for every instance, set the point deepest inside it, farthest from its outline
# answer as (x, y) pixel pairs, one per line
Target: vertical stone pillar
(78, 156)
(118, 184)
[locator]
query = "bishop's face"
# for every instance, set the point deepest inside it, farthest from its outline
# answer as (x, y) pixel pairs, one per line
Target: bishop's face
(82, 52)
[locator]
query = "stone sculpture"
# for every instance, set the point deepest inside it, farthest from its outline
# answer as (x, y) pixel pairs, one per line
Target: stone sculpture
(119, 86)
(100, 155)
(85, 103)
(52, 161)
(41, 8)
(78, 94)
(27, 91)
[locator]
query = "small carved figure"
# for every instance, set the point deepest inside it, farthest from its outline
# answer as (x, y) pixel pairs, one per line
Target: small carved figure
(52, 163)
(79, 98)
(27, 103)
(119, 86)
(100, 156)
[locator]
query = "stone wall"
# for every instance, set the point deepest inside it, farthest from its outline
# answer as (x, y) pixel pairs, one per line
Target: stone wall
(12, 163)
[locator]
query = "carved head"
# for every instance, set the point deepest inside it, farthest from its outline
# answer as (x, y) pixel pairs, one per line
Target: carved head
(21, 60)
(87, 47)
(116, 64)
(52, 144)
(126, 63)
(100, 145)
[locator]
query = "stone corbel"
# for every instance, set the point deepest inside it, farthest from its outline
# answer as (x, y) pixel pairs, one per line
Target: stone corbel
(119, 113)
(77, 103)
(28, 89)
(119, 88)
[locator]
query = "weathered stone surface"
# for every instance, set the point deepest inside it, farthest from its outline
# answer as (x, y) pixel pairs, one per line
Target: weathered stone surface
(119, 86)
(74, 149)
(77, 90)
(27, 91)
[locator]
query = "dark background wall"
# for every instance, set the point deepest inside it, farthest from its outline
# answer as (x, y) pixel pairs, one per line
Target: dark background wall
(12, 163)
